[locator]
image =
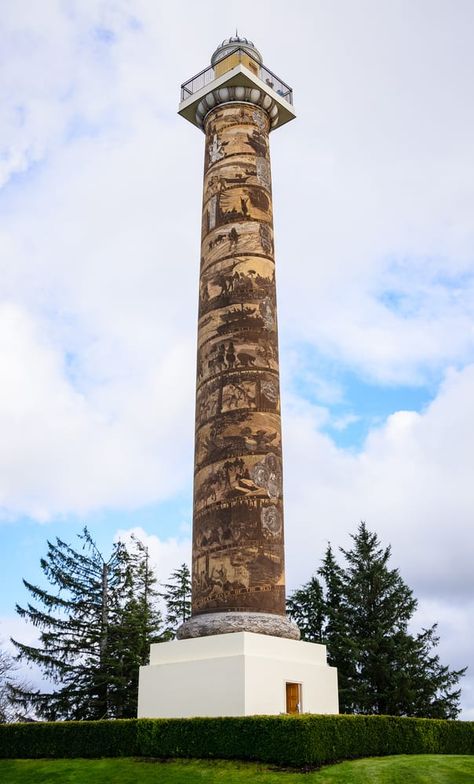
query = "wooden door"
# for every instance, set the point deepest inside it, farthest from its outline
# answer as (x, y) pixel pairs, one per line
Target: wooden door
(293, 697)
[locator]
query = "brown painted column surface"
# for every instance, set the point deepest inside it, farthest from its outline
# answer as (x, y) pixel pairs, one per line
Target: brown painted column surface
(238, 557)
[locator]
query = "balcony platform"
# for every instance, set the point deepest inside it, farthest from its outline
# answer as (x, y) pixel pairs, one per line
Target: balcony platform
(197, 88)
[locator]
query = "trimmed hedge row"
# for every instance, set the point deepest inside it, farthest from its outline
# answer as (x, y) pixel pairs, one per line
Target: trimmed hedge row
(69, 739)
(287, 740)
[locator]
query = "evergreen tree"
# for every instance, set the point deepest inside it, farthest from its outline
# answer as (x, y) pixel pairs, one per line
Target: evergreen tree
(337, 625)
(366, 609)
(9, 679)
(308, 610)
(87, 649)
(7, 666)
(380, 606)
(177, 598)
(137, 628)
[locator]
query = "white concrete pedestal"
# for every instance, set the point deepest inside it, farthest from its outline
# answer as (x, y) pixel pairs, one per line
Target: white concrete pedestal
(240, 674)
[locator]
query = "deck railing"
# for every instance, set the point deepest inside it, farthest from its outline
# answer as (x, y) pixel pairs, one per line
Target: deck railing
(242, 56)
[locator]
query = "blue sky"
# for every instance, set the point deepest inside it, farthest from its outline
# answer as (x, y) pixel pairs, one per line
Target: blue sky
(355, 404)
(100, 191)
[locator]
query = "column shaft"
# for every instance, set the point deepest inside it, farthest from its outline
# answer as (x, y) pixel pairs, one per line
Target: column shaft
(238, 556)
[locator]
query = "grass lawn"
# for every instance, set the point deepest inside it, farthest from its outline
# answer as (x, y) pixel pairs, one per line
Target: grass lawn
(422, 769)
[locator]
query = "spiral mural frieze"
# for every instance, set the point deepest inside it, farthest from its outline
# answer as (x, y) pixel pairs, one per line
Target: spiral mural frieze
(238, 557)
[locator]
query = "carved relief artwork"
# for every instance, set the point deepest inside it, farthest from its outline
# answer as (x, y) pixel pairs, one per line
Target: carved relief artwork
(238, 561)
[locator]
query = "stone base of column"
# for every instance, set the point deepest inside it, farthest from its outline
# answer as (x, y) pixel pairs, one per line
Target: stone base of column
(231, 622)
(240, 674)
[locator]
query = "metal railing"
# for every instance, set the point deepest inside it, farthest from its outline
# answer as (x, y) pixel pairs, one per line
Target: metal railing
(208, 75)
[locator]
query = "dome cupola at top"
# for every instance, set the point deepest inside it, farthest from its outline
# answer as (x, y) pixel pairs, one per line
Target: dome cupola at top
(236, 42)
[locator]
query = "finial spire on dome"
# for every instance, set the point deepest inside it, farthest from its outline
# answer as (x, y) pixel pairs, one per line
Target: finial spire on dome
(228, 44)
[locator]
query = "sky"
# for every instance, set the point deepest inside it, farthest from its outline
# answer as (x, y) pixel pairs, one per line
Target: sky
(100, 194)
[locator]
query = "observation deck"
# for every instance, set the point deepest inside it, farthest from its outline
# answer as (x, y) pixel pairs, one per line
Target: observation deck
(237, 75)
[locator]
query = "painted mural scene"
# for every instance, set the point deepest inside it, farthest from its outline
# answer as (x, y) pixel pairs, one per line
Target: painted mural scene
(238, 523)
(144, 649)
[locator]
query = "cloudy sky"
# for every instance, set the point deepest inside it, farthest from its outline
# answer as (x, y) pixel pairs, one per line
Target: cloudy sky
(100, 190)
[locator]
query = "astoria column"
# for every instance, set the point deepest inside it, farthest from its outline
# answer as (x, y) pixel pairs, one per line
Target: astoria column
(238, 578)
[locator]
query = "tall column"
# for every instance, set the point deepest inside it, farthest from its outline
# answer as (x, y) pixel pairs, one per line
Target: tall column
(238, 553)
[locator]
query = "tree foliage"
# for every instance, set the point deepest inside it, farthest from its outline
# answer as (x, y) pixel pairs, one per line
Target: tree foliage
(96, 621)
(138, 625)
(177, 596)
(9, 679)
(362, 611)
(307, 608)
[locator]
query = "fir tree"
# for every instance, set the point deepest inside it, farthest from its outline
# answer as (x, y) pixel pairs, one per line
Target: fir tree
(139, 626)
(9, 679)
(177, 598)
(87, 648)
(366, 609)
(337, 625)
(7, 667)
(308, 609)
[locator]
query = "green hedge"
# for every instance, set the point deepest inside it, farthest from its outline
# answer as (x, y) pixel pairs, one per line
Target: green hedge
(288, 740)
(69, 739)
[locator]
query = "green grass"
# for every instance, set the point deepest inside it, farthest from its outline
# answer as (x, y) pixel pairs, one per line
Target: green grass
(416, 769)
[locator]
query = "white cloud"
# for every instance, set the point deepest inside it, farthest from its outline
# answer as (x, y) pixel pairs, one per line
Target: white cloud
(90, 260)
(99, 250)
(342, 422)
(167, 555)
(410, 482)
(64, 452)
(373, 190)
